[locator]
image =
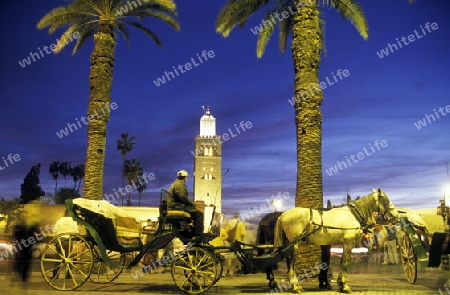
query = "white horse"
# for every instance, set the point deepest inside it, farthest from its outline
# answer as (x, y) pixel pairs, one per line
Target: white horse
(343, 225)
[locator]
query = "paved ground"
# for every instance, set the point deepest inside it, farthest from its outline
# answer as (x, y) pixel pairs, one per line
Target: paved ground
(364, 278)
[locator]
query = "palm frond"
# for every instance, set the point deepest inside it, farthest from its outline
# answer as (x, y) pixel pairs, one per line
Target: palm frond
(165, 3)
(85, 32)
(236, 12)
(83, 16)
(285, 27)
(125, 9)
(63, 16)
(122, 28)
(266, 32)
(141, 11)
(352, 11)
(146, 30)
(65, 38)
(168, 19)
(92, 5)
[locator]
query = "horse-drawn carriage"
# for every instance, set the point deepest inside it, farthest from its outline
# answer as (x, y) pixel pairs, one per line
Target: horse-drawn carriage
(98, 254)
(98, 251)
(416, 249)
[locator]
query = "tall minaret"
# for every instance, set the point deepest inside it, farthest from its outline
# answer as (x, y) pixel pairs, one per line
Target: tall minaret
(208, 163)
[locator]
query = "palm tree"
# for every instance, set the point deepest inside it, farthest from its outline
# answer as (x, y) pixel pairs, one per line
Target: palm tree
(132, 171)
(125, 145)
(65, 169)
(141, 185)
(82, 167)
(102, 20)
(300, 20)
(77, 174)
(54, 171)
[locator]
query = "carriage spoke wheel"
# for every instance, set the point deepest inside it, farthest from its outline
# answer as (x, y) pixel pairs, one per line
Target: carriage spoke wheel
(101, 272)
(67, 261)
(195, 271)
(219, 267)
(409, 260)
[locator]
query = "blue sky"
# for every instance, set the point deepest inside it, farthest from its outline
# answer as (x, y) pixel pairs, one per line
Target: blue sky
(380, 99)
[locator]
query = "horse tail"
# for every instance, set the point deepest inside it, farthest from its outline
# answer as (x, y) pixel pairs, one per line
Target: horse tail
(260, 235)
(278, 238)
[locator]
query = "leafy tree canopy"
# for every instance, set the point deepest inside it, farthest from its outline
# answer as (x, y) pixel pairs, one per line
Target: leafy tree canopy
(30, 189)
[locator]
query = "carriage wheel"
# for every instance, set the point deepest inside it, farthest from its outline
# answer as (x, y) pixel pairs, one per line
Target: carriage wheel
(67, 261)
(101, 272)
(409, 260)
(219, 267)
(195, 271)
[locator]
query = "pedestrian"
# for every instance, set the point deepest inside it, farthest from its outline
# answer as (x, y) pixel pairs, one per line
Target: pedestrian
(379, 235)
(391, 244)
(26, 227)
(178, 199)
(234, 231)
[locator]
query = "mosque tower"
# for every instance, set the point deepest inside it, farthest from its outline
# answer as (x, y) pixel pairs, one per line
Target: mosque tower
(208, 163)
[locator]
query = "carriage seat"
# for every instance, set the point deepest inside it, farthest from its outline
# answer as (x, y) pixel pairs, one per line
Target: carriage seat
(173, 211)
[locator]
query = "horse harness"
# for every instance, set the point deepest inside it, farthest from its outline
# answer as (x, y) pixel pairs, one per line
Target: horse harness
(363, 224)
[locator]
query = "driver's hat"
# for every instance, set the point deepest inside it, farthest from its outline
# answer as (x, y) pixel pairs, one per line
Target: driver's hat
(182, 173)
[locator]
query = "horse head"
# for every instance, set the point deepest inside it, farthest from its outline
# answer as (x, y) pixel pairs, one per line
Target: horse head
(384, 204)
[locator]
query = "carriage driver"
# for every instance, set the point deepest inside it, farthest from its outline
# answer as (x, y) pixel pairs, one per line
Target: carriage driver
(178, 197)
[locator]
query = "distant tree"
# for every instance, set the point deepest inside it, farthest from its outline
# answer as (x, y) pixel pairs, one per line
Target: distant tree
(132, 170)
(64, 170)
(30, 189)
(54, 171)
(125, 145)
(77, 174)
(65, 194)
(141, 185)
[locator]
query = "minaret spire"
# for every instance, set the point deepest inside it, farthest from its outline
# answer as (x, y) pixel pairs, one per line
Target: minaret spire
(206, 110)
(207, 122)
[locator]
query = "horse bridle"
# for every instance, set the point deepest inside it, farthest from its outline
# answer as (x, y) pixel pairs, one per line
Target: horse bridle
(385, 203)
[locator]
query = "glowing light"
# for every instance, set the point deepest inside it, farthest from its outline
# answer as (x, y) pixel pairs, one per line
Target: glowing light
(446, 190)
(361, 250)
(277, 204)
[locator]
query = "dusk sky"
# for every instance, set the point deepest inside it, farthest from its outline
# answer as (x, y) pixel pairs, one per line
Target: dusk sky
(380, 97)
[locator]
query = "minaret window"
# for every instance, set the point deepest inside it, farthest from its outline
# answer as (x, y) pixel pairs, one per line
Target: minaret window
(208, 176)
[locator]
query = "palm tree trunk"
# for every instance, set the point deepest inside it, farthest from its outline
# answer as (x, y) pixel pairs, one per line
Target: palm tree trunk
(123, 175)
(56, 186)
(102, 63)
(306, 49)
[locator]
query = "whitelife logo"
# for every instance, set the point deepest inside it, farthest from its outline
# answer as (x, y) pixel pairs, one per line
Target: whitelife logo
(184, 68)
(411, 38)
